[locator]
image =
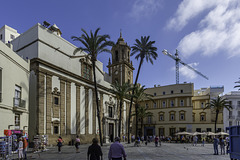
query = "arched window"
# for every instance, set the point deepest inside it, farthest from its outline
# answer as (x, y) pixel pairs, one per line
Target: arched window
(116, 55)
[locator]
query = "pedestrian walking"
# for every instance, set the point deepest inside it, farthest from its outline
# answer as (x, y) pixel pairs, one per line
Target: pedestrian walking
(20, 149)
(227, 143)
(156, 141)
(215, 145)
(142, 139)
(59, 143)
(133, 138)
(195, 139)
(222, 145)
(203, 141)
(116, 151)
(123, 138)
(94, 151)
(25, 145)
(77, 143)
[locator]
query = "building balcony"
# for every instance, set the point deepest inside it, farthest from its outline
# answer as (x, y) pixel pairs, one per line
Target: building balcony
(231, 117)
(19, 103)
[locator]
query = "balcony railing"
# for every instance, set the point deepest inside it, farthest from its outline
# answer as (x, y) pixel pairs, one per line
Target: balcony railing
(231, 117)
(18, 102)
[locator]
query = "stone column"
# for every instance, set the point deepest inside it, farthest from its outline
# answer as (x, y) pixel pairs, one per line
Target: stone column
(62, 107)
(101, 112)
(49, 104)
(86, 110)
(68, 106)
(40, 103)
(78, 108)
(94, 111)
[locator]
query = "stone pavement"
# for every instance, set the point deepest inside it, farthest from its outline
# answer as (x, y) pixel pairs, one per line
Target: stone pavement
(168, 151)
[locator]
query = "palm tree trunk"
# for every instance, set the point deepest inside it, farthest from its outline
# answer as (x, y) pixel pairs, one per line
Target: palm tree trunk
(120, 120)
(130, 108)
(141, 126)
(217, 111)
(98, 111)
(136, 110)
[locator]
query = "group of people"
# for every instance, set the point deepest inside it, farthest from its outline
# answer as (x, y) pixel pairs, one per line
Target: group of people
(116, 151)
(223, 143)
(22, 148)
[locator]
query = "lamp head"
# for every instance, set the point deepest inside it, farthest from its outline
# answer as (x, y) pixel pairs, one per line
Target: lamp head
(165, 52)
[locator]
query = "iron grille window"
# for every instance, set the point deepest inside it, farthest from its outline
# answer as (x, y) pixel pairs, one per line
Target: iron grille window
(87, 71)
(55, 130)
(17, 97)
(17, 120)
(110, 111)
(56, 100)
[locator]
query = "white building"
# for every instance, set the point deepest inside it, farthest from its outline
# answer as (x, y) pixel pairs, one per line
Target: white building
(14, 88)
(232, 117)
(62, 98)
(7, 34)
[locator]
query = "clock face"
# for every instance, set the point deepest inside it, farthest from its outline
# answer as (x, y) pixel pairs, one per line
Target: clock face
(116, 72)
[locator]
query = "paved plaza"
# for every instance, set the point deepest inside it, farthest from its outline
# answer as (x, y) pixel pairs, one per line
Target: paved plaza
(168, 151)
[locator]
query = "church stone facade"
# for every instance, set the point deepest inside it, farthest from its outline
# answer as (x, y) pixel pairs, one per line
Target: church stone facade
(62, 101)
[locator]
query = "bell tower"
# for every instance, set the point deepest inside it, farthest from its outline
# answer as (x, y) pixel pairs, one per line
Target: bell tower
(121, 68)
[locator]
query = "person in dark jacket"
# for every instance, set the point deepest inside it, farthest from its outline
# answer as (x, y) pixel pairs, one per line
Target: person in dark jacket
(94, 151)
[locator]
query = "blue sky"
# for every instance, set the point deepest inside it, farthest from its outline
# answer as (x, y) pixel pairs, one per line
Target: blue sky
(206, 32)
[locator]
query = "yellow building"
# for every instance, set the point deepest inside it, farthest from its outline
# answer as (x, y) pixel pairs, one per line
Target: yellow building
(178, 108)
(203, 120)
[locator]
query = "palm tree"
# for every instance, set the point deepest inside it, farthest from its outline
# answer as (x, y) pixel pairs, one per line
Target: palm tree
(139, 96)
(121, 92)
(93, 45)
(146, 51)
(218, 105)
(142, 113)
(237, 86)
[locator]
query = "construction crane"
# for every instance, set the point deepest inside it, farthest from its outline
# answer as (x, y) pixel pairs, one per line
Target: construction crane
(178, 60)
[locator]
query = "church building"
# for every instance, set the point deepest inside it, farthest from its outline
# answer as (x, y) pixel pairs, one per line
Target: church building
(61, 100)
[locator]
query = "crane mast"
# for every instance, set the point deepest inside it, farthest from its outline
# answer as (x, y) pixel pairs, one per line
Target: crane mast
(178, 60)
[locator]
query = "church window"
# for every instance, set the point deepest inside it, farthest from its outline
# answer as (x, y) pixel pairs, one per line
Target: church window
(56, 100)
(56, 130)
(110, 111)
(116, 55)
(86, 71)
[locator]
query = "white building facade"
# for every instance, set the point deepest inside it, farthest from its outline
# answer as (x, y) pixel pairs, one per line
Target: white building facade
(14, 90)
(232, 117)
(62, 97)
(7, 34)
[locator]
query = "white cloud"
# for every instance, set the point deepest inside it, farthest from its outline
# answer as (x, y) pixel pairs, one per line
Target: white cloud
(218, 31)
(144, 8)
(188, 73)
(187, 10)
